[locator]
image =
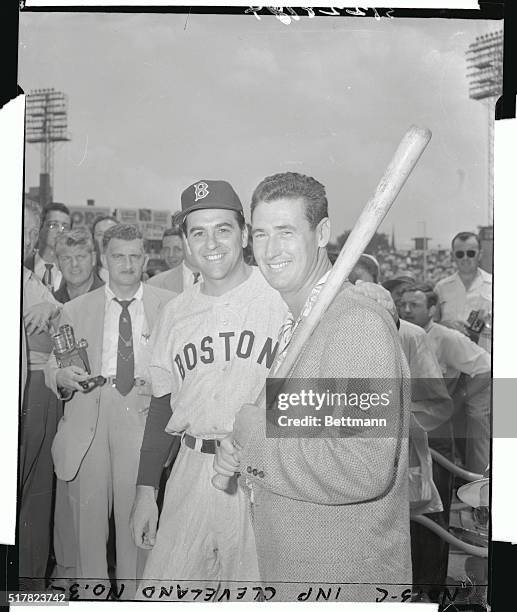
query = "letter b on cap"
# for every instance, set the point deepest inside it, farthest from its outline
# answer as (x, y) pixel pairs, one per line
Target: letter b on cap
(201, 191)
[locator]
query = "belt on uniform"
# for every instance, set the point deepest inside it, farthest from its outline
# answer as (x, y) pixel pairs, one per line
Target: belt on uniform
(200, 444)
(112, 380)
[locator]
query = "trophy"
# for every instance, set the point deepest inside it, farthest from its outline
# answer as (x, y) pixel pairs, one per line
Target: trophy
(69, 352)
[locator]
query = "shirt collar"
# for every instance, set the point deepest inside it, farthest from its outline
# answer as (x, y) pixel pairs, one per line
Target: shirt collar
(481, 277)
(428, 326)
(111, 296)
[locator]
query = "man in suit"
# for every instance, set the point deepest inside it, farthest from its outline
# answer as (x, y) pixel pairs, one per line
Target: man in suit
(96, 448)
(55, 219)
(76, 258)
(331, 510)
(184, 273)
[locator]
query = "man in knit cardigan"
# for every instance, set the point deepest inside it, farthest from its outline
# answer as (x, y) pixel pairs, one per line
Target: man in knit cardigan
(330, 507)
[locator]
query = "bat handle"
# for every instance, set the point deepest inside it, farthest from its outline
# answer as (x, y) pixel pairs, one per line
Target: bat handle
(220, 482)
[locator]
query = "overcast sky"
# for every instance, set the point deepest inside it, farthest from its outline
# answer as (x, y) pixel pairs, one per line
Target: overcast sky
(157, 102)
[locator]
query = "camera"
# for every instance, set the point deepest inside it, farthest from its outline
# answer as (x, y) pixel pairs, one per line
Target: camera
(69, 352)
(475, 325)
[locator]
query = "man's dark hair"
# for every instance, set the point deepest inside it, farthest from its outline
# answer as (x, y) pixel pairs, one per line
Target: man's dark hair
(394, 283)
(465, 236)
(427, 289)
(54, 206)
(102, 218)
(293, 185)
(121, 231)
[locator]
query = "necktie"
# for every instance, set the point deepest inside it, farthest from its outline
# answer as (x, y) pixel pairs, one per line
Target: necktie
(125, 377)
(47, 276)
(196, 276)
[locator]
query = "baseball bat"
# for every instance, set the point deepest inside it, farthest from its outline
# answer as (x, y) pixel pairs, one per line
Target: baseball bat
(406, 156)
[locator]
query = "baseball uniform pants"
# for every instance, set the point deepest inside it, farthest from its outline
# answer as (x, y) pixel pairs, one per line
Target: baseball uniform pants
(204, 534)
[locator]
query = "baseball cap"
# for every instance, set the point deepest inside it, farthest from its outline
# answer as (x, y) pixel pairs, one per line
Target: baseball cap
(208, 194)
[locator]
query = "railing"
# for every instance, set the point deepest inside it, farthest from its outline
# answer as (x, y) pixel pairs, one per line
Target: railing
(470, 549)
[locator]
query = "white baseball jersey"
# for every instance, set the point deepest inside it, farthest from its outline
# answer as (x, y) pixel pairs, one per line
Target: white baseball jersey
(213, 353)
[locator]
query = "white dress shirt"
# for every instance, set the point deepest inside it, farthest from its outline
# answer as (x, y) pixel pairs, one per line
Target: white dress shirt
(457, 302)
(139, 327)
(456, 353)
(40, 269)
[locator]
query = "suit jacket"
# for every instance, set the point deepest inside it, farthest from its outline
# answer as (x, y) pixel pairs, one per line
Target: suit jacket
(171, 280)
(76, 429)
(335, 509)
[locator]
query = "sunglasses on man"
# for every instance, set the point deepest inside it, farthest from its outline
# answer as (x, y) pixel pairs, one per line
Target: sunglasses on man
(461, 254)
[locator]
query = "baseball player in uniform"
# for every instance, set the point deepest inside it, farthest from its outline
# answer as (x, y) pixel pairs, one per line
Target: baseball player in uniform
(213, 347)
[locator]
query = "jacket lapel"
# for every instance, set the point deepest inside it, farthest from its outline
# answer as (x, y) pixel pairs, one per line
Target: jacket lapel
(94, 329)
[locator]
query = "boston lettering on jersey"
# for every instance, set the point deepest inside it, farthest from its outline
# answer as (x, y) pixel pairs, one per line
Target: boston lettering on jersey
(225, 345)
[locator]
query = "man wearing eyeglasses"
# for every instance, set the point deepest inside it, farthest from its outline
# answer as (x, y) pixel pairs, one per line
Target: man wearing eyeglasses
(56, 219)
(467, 291)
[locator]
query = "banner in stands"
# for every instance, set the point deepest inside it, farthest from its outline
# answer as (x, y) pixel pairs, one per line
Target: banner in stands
(152, 223)
(85, 215)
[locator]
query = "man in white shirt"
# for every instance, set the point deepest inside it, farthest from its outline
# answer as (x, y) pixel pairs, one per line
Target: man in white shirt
(468, 289)
(96, 449)
(56, 219)
(456, 355)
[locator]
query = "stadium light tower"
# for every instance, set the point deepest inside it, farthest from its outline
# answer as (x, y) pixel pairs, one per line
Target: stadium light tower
(485, 71)
(46, 125)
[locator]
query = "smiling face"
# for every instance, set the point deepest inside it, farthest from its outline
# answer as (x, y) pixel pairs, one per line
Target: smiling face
(125, 261)
(285, 247)
(215, 242)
